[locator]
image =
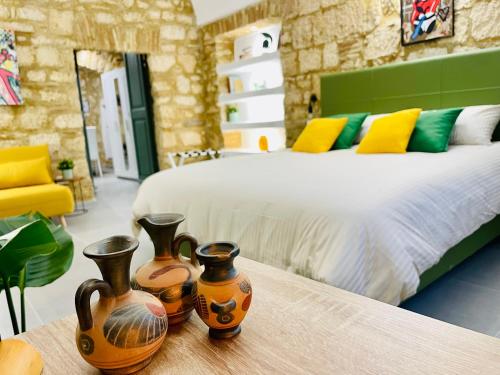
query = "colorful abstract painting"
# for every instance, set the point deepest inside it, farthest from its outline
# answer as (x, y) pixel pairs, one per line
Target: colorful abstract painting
(9, 70)
(423, 20)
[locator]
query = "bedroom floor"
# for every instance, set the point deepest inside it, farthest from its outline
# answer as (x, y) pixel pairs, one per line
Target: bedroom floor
(469, 296)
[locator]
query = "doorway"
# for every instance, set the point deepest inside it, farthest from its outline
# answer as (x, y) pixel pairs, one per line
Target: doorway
(112, 132)
(117, 123)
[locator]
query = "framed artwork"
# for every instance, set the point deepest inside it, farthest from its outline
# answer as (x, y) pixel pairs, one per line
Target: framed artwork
(9, 70)
(423, 20)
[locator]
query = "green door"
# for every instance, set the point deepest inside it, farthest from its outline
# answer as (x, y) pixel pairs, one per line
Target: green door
(142, 113)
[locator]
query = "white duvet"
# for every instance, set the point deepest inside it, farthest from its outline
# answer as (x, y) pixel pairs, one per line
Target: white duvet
(370, 224)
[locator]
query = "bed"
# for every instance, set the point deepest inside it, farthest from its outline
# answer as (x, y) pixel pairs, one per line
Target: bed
(383, 226)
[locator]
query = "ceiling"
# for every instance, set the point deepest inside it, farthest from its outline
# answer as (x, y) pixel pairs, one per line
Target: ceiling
(208, 11)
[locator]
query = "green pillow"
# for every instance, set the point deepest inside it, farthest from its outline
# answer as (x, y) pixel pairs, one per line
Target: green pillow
(351, 130)
(433, 129)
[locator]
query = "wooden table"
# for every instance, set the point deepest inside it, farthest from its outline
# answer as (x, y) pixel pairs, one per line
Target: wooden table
(299, 326)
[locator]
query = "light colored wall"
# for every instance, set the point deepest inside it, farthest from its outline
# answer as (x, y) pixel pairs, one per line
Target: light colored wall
(47, 32)
(322, 36)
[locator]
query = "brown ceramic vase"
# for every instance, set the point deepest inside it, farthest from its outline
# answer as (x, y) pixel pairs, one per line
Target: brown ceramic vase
(169, 276)
(121, 331)
(222, 295)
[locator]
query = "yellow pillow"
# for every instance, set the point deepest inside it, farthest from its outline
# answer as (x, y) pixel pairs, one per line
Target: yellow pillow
(390, 134)
(319, 135)
(24, 173)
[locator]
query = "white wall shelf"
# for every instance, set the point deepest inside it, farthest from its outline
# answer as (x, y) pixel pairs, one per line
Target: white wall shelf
(252, 125)
(248, 65)
(248, 95)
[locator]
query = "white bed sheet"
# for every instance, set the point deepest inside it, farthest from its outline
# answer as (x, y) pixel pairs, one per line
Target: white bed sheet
(370, 224)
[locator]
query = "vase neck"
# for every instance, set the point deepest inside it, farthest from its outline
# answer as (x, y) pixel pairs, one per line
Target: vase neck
(161, 229)
(113, 256)
(116, 272)
(219, 271)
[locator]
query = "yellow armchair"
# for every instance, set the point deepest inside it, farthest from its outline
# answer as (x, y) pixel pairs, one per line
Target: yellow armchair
(23, 194)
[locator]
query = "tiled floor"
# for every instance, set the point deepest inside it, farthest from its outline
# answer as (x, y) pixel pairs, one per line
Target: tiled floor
(469, 296)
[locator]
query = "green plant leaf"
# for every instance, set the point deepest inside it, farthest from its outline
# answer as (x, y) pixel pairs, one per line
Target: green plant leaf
(22, 244)
(40, 269)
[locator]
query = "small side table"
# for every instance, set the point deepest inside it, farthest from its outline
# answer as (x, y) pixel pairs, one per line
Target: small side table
(75, 184)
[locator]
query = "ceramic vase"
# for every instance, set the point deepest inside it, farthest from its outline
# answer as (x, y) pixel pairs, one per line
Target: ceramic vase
(67, 174)
(222, 295)
(169, 276)
(121, 331)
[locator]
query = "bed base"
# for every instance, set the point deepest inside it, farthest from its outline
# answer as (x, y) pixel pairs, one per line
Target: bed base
(458, 253)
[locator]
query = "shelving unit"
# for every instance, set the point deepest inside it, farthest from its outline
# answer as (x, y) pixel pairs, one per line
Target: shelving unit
(251, 125)
(243, 96)
(248, 65)
(256, 94)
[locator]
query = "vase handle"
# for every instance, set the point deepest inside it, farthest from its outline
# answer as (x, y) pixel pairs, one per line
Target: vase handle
(82, 300)
(193, 244)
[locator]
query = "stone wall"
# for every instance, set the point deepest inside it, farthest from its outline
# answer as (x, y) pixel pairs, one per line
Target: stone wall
(321, 36)
(47, 33)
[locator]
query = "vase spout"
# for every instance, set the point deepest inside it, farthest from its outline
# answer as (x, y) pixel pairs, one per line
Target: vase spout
(161, 229)
(113, 255)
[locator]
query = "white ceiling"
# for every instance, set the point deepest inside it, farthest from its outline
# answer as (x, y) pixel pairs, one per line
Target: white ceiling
(210, 10)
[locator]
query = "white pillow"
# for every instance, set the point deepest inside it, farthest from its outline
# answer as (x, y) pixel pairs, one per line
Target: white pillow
(365, 126)
(475, 125)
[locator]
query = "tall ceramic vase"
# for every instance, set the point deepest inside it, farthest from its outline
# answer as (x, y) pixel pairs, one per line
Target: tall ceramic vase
(169, 275)
(222, 295)
(121, 331)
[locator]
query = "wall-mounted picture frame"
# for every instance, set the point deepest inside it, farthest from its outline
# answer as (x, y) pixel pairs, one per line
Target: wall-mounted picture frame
(424, 20)
(10, 90)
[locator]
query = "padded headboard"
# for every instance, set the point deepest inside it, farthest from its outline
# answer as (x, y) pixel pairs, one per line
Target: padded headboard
(442, 82)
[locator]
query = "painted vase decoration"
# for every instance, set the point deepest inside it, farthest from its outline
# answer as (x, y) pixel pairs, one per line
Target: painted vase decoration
(121, 331)
(169, 276)
(222, 295)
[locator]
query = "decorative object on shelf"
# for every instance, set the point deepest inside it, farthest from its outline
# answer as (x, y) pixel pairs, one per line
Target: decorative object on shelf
(232, 113)
(235, 84)
(265, 40)
(19, 358)
(10, 90)
(33, 252)
(169, 276)
(66, 168)
(232, 139)
(222, 295)
(263, 143)
(120, 332)
(423, 20)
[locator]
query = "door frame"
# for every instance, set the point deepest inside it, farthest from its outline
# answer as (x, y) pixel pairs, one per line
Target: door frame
(145, 88)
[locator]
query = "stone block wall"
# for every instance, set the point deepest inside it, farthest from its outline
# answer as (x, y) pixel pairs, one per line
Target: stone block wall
(47, 33)
(324, 36)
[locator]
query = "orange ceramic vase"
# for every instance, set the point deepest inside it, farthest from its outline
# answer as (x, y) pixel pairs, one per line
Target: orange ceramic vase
(169, 276)
(119, 333)
(222, 295)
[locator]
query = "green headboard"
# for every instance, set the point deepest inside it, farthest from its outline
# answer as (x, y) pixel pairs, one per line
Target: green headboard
(446, 81)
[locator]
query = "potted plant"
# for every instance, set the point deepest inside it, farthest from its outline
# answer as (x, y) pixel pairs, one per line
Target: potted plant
(66, 168)
(232, 113)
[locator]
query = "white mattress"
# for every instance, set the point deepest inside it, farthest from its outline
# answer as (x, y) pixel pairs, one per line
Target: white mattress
(370, 224)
